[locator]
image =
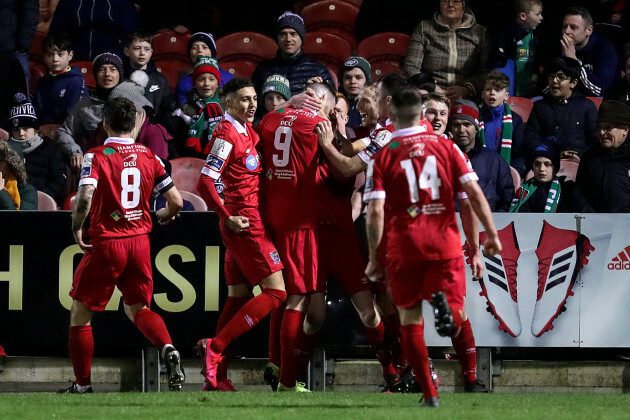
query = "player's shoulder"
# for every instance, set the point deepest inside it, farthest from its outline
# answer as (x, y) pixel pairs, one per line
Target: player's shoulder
(223, 128)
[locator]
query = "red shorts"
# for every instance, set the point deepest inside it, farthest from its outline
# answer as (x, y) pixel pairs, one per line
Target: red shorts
(298, 248)
(414, 281)
(122, 262)
(252, 249)
(340, 256)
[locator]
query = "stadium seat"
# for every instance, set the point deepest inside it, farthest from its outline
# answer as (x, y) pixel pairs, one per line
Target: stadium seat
(239, 68)
(49, 130)
(516, 177)
(568, 169)
(379, 69)
(596, 100)
(198, 203)
(36, 53)
(4, 134)
(185, 173)
(68, 203)
(171, 69)
(171, 45)
(45, 202)
(88, 73)
(522, 106)
(250, 47)
(36, 70)
(386, 47)
(333, 17)
(328, 49)
(299, 6)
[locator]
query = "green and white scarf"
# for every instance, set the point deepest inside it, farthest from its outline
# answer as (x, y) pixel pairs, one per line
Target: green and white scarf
(210, 113)
(526, 190)
(506, 133)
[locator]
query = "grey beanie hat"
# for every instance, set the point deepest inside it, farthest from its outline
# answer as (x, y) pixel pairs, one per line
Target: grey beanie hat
(276, 83)
(132, 91)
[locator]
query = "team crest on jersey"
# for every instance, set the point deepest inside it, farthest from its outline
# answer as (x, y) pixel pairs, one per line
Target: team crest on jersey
(221, 148)
(62, 93)
(214, 162)
(251, 162)
(275, 257)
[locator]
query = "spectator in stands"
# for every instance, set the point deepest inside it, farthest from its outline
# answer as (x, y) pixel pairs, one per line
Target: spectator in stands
(621, 90)
(563, 114)
(431, 44)
(63, 86)
(18, 20)
(596, 55)
(138, 52)
(501, 129)
(95, 27)
(11, 83)
(87, 113)
(354, 74)
(290, 60)
(275, 91)
(200, 44)
(425, 83)
(494, 174)
(202, 112)
(543, 193)
(436, 108)
(519, 47)
(15, 192)
(603, 181)
(43, 161)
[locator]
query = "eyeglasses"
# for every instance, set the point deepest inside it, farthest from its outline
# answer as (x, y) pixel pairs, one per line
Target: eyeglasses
(560, 76)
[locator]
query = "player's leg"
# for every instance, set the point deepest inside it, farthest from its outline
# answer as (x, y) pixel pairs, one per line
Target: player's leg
(81, 346)
(313, 321)
(272, 370)
(291, 333)
(391, 318)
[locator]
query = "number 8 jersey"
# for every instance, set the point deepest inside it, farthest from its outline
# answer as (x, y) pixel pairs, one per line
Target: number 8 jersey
(417, 175)
(124, 174)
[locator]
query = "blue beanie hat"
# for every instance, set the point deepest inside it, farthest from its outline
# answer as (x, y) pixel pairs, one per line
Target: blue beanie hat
(293, 21)
(206, 38)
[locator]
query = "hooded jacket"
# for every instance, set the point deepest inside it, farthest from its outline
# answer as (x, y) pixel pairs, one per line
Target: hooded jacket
(56, 95)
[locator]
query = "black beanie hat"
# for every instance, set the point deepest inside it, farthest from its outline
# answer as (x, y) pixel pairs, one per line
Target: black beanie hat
(293, 21)
(22, 114)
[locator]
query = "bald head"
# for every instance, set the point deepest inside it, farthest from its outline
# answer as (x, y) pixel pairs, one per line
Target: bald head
(326, 94)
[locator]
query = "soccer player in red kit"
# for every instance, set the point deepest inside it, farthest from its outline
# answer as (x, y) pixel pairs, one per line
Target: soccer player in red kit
(251, 258)
(115, 186)
(291, 156)
(413, 182)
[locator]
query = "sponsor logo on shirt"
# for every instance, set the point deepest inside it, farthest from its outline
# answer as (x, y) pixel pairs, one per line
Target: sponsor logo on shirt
(116, 215)
(153, 88)
(288, 120)
(86, 168)
(251, 162)
(269, 174)
(130, 160)
(214, 162)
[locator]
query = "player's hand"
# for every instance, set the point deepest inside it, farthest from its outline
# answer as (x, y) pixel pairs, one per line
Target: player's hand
(305, 100)
(492, 245)
(568, 46)
(375, 271)
(162, 216)
(237, 223)
(315, 79)
(76, 161)
(324, 132)
(339, 123)
(78, 238)
(473, 258)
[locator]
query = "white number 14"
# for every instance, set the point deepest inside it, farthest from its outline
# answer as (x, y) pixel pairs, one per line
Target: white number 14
(428, 178)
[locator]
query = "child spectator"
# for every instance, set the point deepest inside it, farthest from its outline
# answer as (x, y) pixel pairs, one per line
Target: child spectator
(200, 44)
(203, 110)
(500, 128)
(543, 192)
(63, 86)
(354, 74)
(15, 192)
(139, 51)
(275, 91)
(44, 162)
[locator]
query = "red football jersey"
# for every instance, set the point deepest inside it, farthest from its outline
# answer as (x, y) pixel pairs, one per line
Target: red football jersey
(124, 174)
(233, 157)
(291, 154)
(418, 174)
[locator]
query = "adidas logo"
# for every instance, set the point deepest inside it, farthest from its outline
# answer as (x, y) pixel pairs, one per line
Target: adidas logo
(621, 261)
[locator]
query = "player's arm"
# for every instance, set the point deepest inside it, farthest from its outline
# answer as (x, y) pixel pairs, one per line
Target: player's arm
(209, 193)
(82, 204)
(174, 203)
(470, 224)
(347, 166)
(482, 210)
(374, 223)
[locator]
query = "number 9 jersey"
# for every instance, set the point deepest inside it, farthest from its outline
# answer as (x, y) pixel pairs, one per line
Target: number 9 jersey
(417, 175)
(124, 174)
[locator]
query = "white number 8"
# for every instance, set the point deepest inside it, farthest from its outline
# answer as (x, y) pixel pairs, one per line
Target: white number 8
(282, 145)
(132, 188)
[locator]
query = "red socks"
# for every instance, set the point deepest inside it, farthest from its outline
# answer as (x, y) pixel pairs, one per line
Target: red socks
(466, 350)
(232, 306)
(247, 317)
(290, 334)
(392, 338)
(418, 357)
(376, 338)
(152, 326)
(81, 346)
(275, 324)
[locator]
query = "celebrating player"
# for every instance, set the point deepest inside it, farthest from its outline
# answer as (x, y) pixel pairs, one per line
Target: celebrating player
(415, 177)
(251, 258)
(116, 183)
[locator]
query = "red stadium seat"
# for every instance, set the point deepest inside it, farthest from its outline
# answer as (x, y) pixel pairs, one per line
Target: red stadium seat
(379, 69)
(299, 6)
(49, 130)
(185, 173)
(328, 49)
(239, 68)
(522, 106)
(36, 70)
(249, 47)
(171, 70)
(68, 203)
(516, 178)
(4, 134)
(171, 45)
(386, 47)
(36, 52)
(198, 203)
(333, 17)
(45, 202)
(596, 100)
(88, 73)
(568, 169)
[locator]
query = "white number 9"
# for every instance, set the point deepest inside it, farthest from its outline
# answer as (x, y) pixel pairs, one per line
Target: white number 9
(282, 143)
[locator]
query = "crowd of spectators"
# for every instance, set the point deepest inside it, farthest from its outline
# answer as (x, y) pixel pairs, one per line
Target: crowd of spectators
(468, 56)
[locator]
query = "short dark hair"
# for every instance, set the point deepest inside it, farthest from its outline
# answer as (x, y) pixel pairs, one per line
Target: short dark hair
(120, 114)
(569, 66)
(392, 82)
(235, 85)
(139, 36)
(57, 41)
(423, 81)
(580, 11)
(524, 6)
(497, 80)
(406, 104)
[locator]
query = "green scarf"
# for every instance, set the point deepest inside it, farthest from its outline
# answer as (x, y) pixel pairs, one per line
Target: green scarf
(506, 133)
(526, 190)
(210, 113)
